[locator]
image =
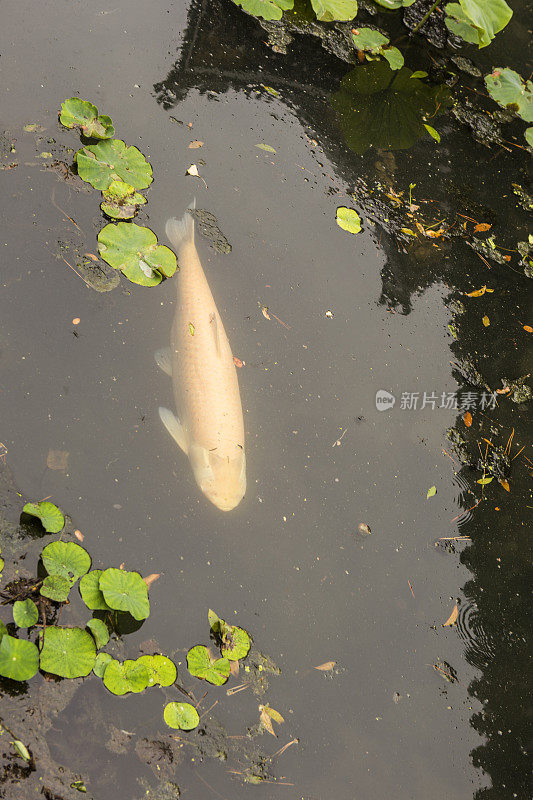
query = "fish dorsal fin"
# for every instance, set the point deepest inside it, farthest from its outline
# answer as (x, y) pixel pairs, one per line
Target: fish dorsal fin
(163, 360)
(214, 330)
(174, 427)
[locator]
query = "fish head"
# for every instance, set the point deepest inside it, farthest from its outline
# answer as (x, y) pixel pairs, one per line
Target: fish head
(221, 478)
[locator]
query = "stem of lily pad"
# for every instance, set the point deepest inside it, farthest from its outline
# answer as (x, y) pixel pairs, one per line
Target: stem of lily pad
(426, 16)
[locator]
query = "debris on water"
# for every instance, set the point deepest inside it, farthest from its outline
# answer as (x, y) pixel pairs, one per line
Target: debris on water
(396, 697)
(329, 314)
(193, 170)
(432, 491)
(452, 619)
(209, 227)
(149, 579)
(266, 147)
(238, 363)
(364, 528)
(195, 144)
(521, 391)
(446, 670)
(466, 65)
(266, 715)
(57, 459)
(326, 667)
(486, 321)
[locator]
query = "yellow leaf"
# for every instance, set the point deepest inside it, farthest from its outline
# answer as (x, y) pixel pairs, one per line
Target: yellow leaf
(194, 145)
(484, 481)
(327, 666)
(265, 721)
(468, 419)
(264, 311)
(452, 619)
(478, 292)
(486, 321)
(505, 484)
(528, 328)
(408, 231)
(482, 226)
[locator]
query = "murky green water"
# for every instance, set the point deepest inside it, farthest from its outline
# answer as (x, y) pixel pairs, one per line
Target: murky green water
(349, 316)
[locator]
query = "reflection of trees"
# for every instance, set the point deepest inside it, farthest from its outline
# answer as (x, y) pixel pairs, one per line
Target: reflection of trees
(223, 49)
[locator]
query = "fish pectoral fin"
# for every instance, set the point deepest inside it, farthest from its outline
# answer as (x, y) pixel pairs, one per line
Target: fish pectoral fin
(174, 427)
(163, 360)
(201, 466)
(214, 329)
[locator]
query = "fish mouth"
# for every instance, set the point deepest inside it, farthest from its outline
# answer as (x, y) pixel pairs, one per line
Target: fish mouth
(225, 504)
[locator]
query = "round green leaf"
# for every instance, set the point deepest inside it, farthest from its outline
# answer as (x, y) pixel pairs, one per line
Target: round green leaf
(334, 10)
(125, 591)
(100, 164)
(393, 56)
(127, 677)
(529, 139)
(66, 559)
(267, 9)
(51, 517)
(181, 716)
(19, 659)
(102, 660)
(134, 250)
(90, 591)
(121, 201)
(236, 643)
(160, 668)
(56, 588)
(507, 88)
(487, 17)
(25, 613)
(348, 219)
(201, 666)
(394, 4)
(68, 652)
(99, 631)
(76, 113)
(3, 629)
(370, 40)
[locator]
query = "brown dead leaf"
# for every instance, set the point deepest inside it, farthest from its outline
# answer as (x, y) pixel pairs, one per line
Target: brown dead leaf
(265, 721)
(326, 667)
(122, 565)
(482, 226)
(452, 619)
(505, 484)
(435, 234)
(238, 362)
(234, 668)
(151, 579)
(264, 311)
(528, 328)
(479, 292)
(57, 459)
(194, 145)
(467, 418)
(79, 535)
(91, 255)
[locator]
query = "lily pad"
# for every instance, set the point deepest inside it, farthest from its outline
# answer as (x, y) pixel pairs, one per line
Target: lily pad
(99, 631)
(394, 4)
(481, 19)
(129, 676)
(334, 10)
(25, 613)
(348, 219)
(182, 716)
(509, 90)
(19, 659)
(100, 664)
(3, 629)
(125, 591)
(68, 652)
(91, 593)
(134, 250)
(369, 40)
(51, 517)
(56, 588)
(385, 108)
(121, 201)
(76, 113)
(234, 641)
(161, 669)
(266, 9)
(101, 164)
(200, 665)
(66, 559)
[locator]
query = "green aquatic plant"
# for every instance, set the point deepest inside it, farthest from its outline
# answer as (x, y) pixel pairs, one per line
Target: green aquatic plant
(134, 250)
(67, 652)
(477, 21)
(25, 613)
(56, 588)
(334, 10)
(100, 632)
(19, 659)
(90, 591)
(128, 676)
(371, 41)
(66, 559)
(234, 642)
(201, 665)
(100, 664)
(348, 219)
(51, 517)
(394, 4)
(182, 716)
(125, 591)
(76, 113)
(121, 201)
(266, 9)
(110, 160)
(511, 91)
(161, 670)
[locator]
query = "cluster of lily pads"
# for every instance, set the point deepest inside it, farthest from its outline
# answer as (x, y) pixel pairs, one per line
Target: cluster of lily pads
(75, 652)
(119, 172)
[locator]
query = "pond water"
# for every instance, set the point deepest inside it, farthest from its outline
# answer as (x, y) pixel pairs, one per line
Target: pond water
(346, 316)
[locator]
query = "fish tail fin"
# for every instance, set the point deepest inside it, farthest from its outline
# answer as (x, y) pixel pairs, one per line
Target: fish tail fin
(181, 231)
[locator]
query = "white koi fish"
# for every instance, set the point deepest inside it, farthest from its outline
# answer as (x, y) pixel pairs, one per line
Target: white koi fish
(210, 428)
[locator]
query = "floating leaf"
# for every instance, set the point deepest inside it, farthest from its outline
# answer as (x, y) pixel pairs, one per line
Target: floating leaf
(467, 418)
(152, 578)
(121, 201)
(482, 226)
(101, 164)
(99, 631)
(348, 219)
(76, 113)
(182, 716)
(334, 10)
(200, 665)
(3, 629)
(194, 145)
(479, 292)
(477, 21)
(509, 90)
(19, 659)
(484, 481)
(102, 660)
(486, 321)
(161, 670)
(529, 136)
(419, 73)
(125, 591)
(91, 593)
(326, 667)
(22, 750)
(267, 9)
(25, 613)
(56, 588)
(127, 677)
(266, 147)
(369, 40)
(394, 4)
(505, 484)
(432, 132)
(235, 642)
(134, 250)
(68, 652)
(528, 328)
(394, 57)
(66, 559)
(452, 619)
(432, 491)
(51, 517)
(268, 714)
